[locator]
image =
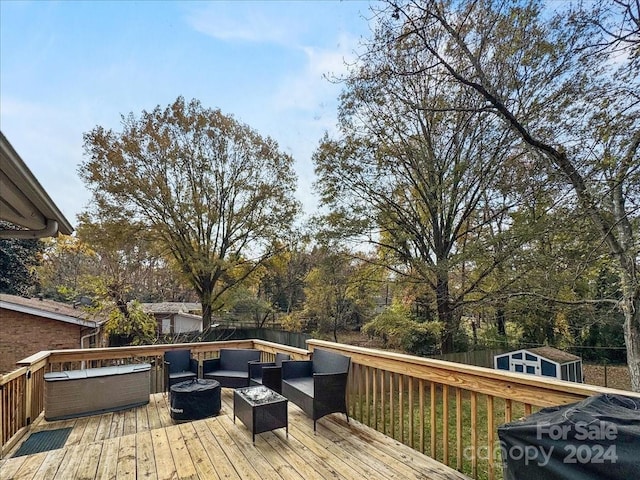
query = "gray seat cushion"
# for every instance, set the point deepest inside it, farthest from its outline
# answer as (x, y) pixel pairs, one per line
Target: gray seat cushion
(304, 384)
(185, 375)
(228, 373)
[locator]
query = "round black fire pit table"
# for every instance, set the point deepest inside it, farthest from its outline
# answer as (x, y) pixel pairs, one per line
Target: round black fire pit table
(194, 399)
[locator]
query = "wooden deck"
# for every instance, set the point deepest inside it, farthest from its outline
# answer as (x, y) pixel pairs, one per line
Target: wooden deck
(145, 443)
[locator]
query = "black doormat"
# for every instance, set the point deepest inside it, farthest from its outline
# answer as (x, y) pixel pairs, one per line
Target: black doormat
(44, 441)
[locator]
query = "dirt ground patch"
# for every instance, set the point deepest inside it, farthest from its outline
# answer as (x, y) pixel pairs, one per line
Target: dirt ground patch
(617, 376)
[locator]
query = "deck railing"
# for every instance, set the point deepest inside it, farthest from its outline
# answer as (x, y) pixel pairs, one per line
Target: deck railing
(22, 390)
(447, 410)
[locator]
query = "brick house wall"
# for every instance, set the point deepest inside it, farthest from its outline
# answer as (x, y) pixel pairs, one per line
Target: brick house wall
(22, 335)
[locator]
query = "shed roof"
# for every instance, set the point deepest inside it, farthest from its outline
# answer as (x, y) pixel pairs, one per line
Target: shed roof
(171, 307)
(554, 354)
(549, 353)
(48, 309)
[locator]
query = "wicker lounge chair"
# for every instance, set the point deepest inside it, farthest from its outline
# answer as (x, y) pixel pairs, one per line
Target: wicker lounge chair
(318, 386)
(178, 367)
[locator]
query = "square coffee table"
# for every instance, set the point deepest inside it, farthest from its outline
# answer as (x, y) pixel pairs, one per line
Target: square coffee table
(260, 409)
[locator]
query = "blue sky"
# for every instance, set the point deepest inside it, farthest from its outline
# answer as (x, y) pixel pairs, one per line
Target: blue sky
(67, 66)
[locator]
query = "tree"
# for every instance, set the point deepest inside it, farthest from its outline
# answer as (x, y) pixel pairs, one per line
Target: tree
(209, 188)
(131, 263)
(130, 323)
(67, 268)
(420, 169)
(340, 291)
(283, 276)
(618, 23)
(18, 262)
(562, 93)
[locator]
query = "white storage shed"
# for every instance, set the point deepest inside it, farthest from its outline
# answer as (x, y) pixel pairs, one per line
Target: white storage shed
(544, 361)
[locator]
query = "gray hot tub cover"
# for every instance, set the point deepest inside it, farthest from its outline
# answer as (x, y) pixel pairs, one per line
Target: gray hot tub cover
(594, 439)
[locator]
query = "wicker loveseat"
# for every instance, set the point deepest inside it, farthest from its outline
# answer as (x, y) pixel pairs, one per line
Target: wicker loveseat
(318, 386)
(231, 369)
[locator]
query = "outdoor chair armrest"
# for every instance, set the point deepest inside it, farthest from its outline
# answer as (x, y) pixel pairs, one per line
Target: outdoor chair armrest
(210, 365)
(324, 382)
(255, 368)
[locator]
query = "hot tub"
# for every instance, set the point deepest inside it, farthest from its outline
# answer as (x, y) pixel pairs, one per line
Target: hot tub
(92, 391)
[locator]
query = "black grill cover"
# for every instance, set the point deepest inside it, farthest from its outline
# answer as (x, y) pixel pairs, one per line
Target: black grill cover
(597, 438)
(195, 399)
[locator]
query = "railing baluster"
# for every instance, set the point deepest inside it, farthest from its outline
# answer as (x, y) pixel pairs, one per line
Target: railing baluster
(421, 401)
(360, 392)
(458, 428)
(401, 407)
(411, 408)
(383, 401)
(445, 424)
(433, 420)
(367, 392)
(474, 434)
(490, 437)
(374, 386)
(392, 410)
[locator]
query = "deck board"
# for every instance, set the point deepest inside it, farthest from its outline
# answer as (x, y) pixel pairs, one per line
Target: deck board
(165, 467)
(50, 465)
(217, 456)
(90, 460)
(108, 464)
(70, 463)
(127, 458)
(145, 461)
(145, 443)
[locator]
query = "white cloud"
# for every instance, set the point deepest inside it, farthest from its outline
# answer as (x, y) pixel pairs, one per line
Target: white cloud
(252, 25)
(311, 88)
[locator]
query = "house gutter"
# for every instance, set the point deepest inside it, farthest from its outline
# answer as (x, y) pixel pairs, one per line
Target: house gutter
(88, 335)
(50, 230)
(23, 201)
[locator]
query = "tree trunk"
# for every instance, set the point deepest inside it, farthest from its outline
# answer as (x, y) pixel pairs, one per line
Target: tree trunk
(501, 321)
(205, 301)
(474, 328)
(631, 309)
(446, 314)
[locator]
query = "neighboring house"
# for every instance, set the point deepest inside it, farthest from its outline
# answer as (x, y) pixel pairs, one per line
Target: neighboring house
(175, 317)
(30, 325)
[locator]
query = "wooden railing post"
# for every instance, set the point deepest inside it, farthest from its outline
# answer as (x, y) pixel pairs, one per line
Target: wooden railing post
(3, 440)
(28, 397)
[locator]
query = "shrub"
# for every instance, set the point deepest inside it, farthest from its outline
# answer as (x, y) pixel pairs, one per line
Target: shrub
(138, 327)
(397, 328)
(291, 323)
